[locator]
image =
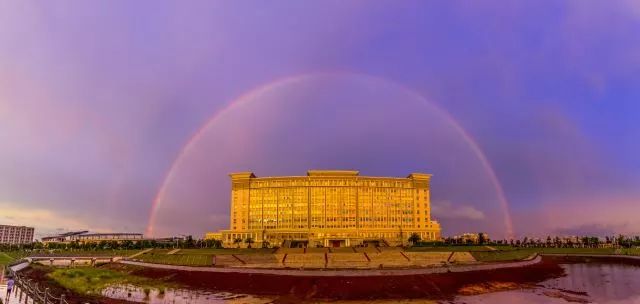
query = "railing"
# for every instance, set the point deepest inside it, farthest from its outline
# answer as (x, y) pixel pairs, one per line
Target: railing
(39, 294)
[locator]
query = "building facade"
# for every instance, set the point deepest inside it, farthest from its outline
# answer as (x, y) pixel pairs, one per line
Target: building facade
(86, 237)
(16, 235)
(329, 209)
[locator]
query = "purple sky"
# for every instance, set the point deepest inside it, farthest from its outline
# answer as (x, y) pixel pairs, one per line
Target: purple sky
(97, 100)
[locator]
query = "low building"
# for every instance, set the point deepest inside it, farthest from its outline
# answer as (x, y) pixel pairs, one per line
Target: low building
(474, 238)
(330, 208)
(213, 236)
(16, 235)
(86, 237)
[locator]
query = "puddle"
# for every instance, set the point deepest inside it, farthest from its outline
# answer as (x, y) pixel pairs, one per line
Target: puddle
(178, 296)
(583, 283)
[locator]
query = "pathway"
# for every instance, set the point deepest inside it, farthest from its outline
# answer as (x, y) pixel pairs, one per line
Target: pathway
(346, 273)
(139, 253)
(16, 296)
(173, 251)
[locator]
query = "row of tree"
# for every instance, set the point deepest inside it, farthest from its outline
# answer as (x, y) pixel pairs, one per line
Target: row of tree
(185, 243)
(555, 242)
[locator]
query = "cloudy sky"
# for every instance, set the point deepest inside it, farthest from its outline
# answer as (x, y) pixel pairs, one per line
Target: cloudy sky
(524, 112)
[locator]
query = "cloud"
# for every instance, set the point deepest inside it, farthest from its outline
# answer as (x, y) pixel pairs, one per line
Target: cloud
(447, 210)
(44, 221)
(582, 215)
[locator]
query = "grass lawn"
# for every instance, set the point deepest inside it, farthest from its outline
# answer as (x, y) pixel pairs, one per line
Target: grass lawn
(91, 281)
(521, 253)
(177, 259)
(212, 251)
(500, 255)
(448, 248)
(5, 259)
(630, 251)
(96, 253)
(577, 250)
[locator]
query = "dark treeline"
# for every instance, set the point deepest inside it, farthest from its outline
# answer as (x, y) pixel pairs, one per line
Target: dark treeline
(619, 241)
(186, 243)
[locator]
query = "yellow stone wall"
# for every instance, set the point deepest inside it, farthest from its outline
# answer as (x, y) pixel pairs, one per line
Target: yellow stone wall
(330, 205)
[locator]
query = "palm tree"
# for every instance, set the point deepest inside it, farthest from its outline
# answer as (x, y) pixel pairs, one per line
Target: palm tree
(237, 241)
(249, 241)
(414, 238)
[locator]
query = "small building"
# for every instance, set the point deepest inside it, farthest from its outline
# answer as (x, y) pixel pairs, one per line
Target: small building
(86, 237)
(470, 238)
(16, 235)
(213, 236)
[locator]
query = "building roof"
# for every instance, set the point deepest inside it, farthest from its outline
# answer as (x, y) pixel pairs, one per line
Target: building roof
(332, 173)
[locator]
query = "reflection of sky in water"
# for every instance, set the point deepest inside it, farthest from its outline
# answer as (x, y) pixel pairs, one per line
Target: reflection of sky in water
(603, 283)
(595, 283)
(179, 296)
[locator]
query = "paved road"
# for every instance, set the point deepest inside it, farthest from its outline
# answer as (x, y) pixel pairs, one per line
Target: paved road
(13, 299)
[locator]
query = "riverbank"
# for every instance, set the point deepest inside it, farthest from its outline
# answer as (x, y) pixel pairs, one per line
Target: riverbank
(437, 285)
(41, 275)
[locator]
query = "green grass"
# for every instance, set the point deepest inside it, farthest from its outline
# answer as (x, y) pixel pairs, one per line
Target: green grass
(5, 259)
(194, 257)
(91, 281)
(630, 251)
(96, 253)
(449, 248)
(520, 253)
(577, 250)
(177, 259)
(211, 251)
(502, 255)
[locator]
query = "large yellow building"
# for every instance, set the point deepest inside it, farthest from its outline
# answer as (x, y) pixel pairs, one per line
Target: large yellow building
(330, 209)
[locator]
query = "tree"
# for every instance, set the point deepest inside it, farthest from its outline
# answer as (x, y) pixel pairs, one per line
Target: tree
(126, 244)
(249, 241)
(189, 242)
(237, 241)
(481, 238)
(414, 238)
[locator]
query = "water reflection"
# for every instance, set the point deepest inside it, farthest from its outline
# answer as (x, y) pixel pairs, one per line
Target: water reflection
(178, 296)
(583, 283)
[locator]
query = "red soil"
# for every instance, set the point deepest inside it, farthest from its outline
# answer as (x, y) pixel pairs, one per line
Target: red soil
(291, 289)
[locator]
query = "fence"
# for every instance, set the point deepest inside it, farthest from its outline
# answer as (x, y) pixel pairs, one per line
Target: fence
(31, 289)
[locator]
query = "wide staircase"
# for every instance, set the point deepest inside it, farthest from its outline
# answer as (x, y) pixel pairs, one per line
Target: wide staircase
(389, 259)
(426, 259)
(343, 258)
(347, 260)
(305, 260)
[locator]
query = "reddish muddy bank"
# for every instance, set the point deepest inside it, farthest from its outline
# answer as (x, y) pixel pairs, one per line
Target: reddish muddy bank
(432, 286)
(290, 289)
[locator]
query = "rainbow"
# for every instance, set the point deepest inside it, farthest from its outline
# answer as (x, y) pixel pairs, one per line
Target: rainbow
(281, 82)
